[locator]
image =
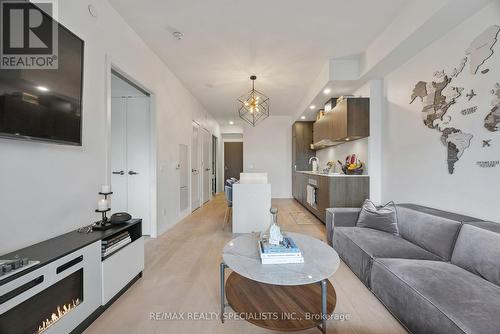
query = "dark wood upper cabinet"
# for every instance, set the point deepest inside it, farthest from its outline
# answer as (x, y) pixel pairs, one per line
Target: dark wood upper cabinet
(302, 138)
(322, 128)
(338, 121)
(349, 120)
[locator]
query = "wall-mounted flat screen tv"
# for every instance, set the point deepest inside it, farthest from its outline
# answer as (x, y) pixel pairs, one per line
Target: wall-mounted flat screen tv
(45, 104)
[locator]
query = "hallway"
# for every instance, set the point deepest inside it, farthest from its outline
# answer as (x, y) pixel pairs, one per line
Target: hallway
(182, 275)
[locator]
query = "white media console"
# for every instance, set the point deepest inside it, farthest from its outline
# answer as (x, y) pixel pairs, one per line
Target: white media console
(71, 275)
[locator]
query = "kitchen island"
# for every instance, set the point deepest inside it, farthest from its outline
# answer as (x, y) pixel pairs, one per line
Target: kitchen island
(251, 203)
(329, 191)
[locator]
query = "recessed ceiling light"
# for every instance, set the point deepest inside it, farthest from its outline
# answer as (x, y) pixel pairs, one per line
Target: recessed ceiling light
(42, 88)
(327, 91)
(178, 35)
(231, 123)
(347, 139)
(312, 107)
(302, 117)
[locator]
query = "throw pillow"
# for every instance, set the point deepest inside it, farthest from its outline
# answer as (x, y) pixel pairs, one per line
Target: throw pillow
(382, 218)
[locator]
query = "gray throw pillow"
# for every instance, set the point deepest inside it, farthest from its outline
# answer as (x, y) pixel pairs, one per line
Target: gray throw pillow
(382, 218)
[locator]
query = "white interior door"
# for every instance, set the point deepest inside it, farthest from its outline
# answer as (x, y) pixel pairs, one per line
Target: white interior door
(138, 160)
(119, 154)
(206, 163)
(130, 158)
(183, 177)
(195, 168)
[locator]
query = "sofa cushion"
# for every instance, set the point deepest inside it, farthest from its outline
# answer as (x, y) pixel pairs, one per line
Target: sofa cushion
(358, 246)
(478, 251)
(440, 213)
(435, 233)
(337, 217)
(379, 218)
(490, 226)
(436, 297)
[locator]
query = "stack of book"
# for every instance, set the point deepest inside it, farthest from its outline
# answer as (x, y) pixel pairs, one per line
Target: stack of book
(113, 244)
(286, 252)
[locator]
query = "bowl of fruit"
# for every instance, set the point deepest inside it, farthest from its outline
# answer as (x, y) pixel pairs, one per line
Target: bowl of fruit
(352, 165)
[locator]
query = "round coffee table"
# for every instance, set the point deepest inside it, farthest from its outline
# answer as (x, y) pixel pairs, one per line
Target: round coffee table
(286, 297)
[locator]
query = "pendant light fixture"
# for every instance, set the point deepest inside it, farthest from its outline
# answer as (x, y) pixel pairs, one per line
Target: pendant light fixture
(253, 106)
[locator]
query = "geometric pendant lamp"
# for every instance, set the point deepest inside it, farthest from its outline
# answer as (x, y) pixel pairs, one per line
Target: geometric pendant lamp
(253, 107)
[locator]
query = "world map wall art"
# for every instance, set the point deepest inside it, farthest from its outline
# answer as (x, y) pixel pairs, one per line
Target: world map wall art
(439, 96)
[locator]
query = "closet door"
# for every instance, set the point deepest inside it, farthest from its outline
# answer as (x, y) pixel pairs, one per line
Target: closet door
(183, 178)
(195, 168)
(207, 138)
(138, 160)
(119, 154)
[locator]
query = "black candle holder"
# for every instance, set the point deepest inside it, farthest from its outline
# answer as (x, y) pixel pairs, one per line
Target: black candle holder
(103, 224)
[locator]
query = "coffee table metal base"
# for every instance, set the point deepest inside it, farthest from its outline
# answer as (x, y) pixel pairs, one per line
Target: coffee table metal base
(278, 307)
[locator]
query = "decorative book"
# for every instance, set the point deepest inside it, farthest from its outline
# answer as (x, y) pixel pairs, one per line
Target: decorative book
(286, 252)
(113, 244)
(286, 246)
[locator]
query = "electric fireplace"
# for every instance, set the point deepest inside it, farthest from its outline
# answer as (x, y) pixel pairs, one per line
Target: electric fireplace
(44, 309)
(70, 285)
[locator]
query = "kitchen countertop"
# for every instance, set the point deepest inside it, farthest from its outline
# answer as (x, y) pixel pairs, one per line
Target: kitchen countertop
(328, 175)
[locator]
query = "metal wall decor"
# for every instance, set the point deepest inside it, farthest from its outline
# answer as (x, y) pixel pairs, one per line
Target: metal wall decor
(253, 107)
(439, 98)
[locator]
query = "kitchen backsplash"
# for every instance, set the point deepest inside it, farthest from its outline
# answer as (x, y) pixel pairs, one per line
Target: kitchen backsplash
(340, 152)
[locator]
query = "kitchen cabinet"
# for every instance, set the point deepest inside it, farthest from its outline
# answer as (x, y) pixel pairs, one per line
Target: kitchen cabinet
(323, 131)
(299, 187)
(295, 185)
(302, 138)
(333, 191)
(323, 196)
(348, 120)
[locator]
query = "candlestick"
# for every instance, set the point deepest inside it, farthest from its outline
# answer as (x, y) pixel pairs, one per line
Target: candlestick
(103, 208)
(105, 189)
(102, 205)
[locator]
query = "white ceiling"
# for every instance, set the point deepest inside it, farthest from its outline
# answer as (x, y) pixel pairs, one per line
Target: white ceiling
(284, 42)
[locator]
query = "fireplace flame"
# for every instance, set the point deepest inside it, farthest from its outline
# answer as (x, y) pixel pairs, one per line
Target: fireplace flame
(58, 314)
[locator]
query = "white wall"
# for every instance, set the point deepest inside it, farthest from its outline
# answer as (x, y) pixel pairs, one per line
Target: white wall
(414, 165)
(268, 148)
(235, 128)
(46, 189)
(232, 137)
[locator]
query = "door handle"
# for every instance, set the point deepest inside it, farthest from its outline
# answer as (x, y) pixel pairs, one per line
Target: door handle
(194, 171)
(207, 169)
(132, 173)
(119, 173)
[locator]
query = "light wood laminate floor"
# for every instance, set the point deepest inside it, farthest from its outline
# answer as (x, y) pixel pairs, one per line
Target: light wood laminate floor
(182, 275)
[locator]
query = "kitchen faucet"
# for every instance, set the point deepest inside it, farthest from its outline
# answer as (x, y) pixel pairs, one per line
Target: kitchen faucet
(312, 159)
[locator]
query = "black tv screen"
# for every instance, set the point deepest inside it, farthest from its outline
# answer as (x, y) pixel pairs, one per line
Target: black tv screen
(45, 104)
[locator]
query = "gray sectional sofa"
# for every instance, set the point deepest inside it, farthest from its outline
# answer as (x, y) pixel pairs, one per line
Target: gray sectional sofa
(440, 275)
